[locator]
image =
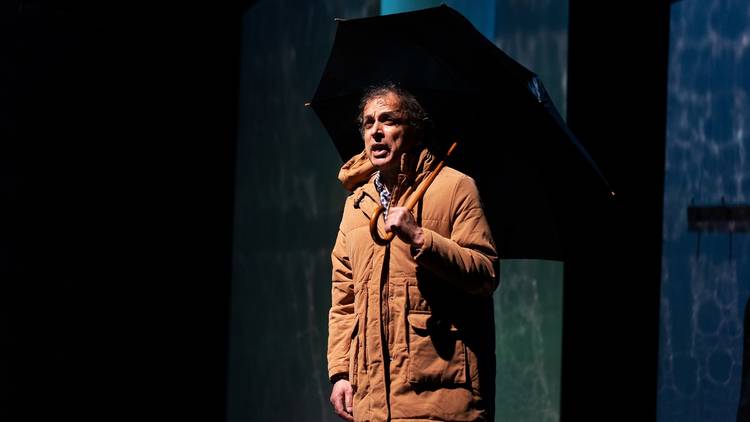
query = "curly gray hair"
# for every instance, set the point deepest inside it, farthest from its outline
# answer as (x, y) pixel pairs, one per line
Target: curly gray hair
(414, 114)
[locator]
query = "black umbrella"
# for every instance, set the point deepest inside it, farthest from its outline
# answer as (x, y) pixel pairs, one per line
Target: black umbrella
(532, 173)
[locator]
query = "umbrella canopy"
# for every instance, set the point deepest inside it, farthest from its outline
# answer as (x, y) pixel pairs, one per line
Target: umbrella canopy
(532, 172)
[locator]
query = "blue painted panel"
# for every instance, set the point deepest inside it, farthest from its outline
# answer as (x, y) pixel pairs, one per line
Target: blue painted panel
(481, 13)
(705, 277)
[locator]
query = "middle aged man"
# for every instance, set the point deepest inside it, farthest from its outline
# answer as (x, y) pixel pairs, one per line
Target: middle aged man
(411, 332)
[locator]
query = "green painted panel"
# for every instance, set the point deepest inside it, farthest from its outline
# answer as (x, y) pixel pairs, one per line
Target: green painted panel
(528, 331)
(287, 210)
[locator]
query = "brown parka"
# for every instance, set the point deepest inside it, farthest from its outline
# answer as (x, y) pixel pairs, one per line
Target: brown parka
(411, 329)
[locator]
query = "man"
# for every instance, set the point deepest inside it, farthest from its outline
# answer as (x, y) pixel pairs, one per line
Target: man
(411, 332)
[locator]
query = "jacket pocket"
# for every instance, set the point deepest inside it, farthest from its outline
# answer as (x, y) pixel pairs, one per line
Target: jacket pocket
(354, 354)
(437, 355)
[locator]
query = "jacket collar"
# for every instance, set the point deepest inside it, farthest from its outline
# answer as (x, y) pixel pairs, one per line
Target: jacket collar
(358, 174)
(415, 165)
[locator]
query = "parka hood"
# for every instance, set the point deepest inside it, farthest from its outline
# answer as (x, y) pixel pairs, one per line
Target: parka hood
(356, 171)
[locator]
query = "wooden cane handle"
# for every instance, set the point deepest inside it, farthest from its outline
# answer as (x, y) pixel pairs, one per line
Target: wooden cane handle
(382, 241)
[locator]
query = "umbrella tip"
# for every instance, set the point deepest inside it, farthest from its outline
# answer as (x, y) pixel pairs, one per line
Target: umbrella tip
(307, 104)
(612, 193)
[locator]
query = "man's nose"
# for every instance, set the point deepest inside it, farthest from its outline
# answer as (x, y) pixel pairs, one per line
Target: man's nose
(377, 131)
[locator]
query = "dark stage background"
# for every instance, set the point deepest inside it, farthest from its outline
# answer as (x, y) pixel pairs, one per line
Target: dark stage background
(119, 143)
(118, 131)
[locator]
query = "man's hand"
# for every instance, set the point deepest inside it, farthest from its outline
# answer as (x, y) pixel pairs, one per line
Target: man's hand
(341, 399)
(401, 222)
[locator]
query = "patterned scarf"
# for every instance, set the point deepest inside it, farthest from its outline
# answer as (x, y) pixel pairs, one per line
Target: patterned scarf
(385, 196)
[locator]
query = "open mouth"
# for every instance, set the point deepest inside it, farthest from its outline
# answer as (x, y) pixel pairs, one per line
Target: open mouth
(379, 151)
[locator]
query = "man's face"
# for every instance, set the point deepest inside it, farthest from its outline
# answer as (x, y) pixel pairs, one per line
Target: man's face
(385, 134)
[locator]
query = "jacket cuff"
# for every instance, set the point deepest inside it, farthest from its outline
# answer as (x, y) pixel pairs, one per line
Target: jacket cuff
(338, 376)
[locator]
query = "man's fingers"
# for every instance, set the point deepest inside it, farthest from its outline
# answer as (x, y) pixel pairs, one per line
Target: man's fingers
(347, 417)
(401, 223)
(348, 400)
(390, 226)
(341, 399)
(343, 412)
(393, 223)
(337, 400)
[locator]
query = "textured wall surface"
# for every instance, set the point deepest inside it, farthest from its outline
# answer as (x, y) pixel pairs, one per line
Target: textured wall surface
(529, 304)
(535, 33)
(528, 330)
(706, 277)
(288, 206)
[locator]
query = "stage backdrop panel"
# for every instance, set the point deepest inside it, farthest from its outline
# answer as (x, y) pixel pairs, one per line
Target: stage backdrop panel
(288, 206)
(705, 274)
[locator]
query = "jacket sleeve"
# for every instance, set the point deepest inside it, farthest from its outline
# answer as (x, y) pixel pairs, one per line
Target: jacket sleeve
(468, 259)
(341, 316)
